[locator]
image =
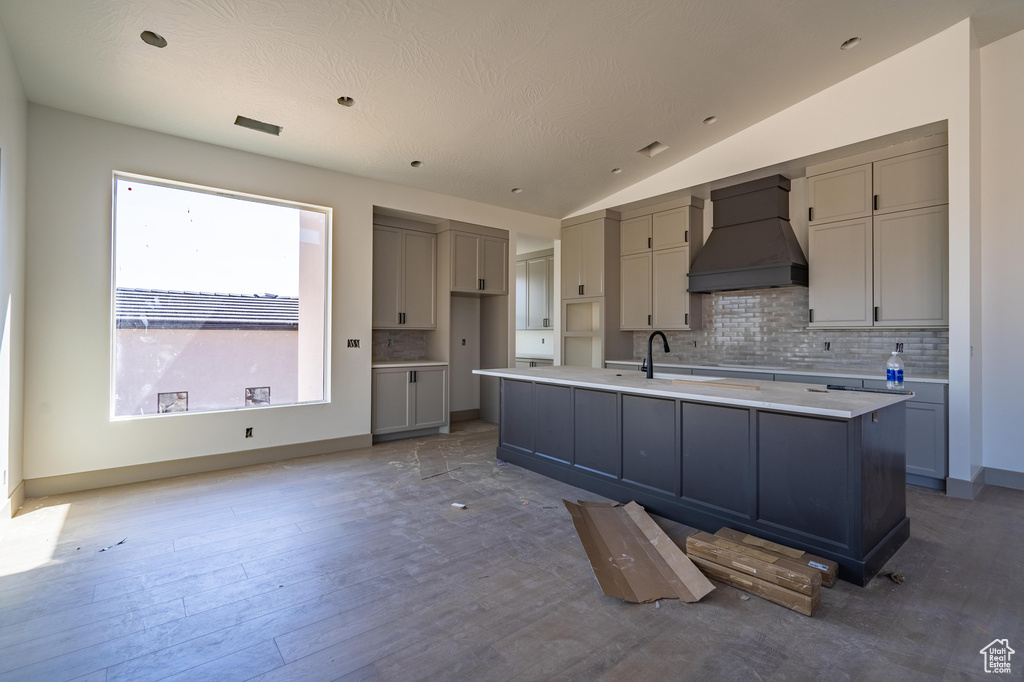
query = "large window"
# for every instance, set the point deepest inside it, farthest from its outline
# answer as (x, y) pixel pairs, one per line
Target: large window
(220, 299)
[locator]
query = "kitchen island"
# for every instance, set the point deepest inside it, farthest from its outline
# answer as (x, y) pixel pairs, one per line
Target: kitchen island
(797, 464)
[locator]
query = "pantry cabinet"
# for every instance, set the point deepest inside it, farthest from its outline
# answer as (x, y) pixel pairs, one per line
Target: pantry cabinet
(535, 292)
(878, 239)
(404, 279)
(583, 256)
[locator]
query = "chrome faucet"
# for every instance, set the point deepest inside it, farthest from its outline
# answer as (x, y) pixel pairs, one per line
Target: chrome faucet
(650, 359)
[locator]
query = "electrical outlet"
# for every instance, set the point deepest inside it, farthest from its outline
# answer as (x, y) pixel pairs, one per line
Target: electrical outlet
(354, 343)
(463, 342)
(542, 339)
(248, 432)
(694, 344)
(828, 345)
(391, 342)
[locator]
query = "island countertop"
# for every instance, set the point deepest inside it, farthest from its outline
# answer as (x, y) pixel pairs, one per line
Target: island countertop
(795, 398)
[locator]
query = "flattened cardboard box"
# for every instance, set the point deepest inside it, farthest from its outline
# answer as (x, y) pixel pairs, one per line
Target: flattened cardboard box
(828, 568)
(789, 573)
(801, 603)
(632, 557)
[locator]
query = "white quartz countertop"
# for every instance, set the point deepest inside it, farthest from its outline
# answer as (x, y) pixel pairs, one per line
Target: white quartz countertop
(409, 363)
(770, 395)
(806, 370)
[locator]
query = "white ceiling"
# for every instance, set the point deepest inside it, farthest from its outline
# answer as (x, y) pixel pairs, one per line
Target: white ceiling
(546, 95)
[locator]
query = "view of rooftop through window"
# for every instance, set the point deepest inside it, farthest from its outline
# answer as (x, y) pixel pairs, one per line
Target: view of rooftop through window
(216, 295)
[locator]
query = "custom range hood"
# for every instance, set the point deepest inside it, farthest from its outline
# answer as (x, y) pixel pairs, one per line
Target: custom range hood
(751, 245)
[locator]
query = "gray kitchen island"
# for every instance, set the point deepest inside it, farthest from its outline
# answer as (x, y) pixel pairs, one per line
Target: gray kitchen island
(819, 470)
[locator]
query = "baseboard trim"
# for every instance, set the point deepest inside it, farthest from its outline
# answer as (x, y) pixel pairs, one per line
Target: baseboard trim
(105, 478)
(463, 415)
(1004, 478)
(966, 490)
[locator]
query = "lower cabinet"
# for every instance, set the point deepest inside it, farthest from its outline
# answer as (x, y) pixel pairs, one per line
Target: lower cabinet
(409, 398)
(927, 451)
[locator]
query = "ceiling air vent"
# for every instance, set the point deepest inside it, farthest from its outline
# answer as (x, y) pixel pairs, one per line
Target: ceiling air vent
(653, 149)
(253, 124)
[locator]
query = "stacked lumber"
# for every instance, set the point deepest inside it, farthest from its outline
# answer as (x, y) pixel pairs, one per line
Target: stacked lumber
(780, 574)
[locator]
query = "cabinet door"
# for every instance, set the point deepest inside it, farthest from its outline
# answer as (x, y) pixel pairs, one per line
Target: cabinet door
(839, 273)
(549, 321)
(537, 297)
(465, 272)
(635, 235)
(572, 261)
(593, 259)
(430, 399)
(635, 302)
(387, 277)
(926, 439)
(522, 295)
(671, 228)
(390, 400)
(419, 269)
(840, 195)
(671, 301)
(911, 268)
(912, 181)
(493, 268)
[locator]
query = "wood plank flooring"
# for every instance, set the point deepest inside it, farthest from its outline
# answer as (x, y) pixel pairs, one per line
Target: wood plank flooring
(355, 566)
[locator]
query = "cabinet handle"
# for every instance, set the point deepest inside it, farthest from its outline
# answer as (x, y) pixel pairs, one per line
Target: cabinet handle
(686, 318)
(686, 236)
(412, 376)
(545, 322)
(648, 320)
(581, 290)
(810, 213)
(874, 204)
(810, 315)
(876, 313)
(648, 242)
(399, 318)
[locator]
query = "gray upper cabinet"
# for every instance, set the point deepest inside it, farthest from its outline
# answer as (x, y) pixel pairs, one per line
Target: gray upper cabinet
(535, 292)
(878, 240)
(670, 229)
(404, 279)
(912, 181)
(583, 260)
(635, 235)
(840, 273)
(670, 300)
(479, 263)
(839, 195)
(911, 268)
(635, 301)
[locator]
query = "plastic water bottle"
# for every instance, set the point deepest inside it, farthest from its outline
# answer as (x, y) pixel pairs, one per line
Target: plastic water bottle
(894, 371)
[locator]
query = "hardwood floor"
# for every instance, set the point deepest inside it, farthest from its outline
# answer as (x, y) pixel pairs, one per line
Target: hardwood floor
(355, 566)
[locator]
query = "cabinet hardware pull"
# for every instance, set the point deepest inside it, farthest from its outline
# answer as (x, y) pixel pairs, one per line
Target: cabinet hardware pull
(581, 290)
(648, 320)
(876, 313)
(810, 315)
(874, 205)
(810, 213)
(686, 318)
(686, 236)
(399, 318)
(648, 242)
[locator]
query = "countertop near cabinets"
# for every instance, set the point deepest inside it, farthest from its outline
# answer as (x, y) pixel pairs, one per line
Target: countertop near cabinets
(804, 370)
(765, 395)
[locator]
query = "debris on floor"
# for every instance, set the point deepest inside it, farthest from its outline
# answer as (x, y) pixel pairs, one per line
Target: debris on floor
(897, 578)
(113, 545)
(446, 471)
(632, 558)
(458, 505)
(829, 569)
(779, 579)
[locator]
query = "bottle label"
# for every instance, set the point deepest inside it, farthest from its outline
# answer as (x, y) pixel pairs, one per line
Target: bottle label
(899, 376)
(890, 375)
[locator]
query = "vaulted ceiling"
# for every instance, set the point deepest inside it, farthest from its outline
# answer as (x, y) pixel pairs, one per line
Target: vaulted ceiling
(489, 95)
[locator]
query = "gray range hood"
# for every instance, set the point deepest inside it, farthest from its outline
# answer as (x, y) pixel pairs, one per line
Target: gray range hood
(751, 245)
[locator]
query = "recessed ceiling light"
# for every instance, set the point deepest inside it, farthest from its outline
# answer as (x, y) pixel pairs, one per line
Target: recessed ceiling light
(653, 149)
(416, 164)
(517, 190)
(616, 171)
(709, 120)
(346, 101)
(154, 39)
(253, 124)
(850, 44)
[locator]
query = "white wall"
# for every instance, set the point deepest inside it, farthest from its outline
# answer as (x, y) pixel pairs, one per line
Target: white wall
(1002, 220)
(13, 111)
(71, 159)
(929, 82)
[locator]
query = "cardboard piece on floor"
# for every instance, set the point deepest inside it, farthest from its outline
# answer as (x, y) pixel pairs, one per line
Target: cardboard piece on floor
(828, 568)
(632, 557)
(789, 573)
(801, 603)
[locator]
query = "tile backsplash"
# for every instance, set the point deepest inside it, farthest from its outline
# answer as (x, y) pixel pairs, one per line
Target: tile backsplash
(768, 327)
(399, 344)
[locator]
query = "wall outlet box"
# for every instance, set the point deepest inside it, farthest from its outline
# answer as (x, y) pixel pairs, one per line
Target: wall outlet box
(354, 343)
(248, 432)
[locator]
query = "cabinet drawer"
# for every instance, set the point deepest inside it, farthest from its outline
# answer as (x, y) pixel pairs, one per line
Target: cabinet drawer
(923, 393)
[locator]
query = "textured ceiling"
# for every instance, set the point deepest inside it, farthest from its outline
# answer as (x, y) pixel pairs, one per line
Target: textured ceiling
(544, 95)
